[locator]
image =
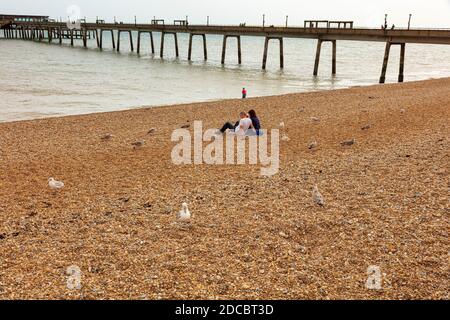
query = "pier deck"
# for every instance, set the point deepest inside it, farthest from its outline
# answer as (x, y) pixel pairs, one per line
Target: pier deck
(58, 30)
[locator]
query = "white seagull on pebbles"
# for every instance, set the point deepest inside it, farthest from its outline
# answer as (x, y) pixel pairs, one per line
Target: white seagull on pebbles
(184, 215)
(313, 145)
(54, 184)
(317, 197)
(285, 138)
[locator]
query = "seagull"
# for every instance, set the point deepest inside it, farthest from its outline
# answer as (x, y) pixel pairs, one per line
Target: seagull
(348, 143)
(402, 110)
(54, 184)
(138, 144)
(317, 197)
(151, 131)
(315, 119)
(313, 145)
(282, 125)
(285, 138)
(366, 127)
(107, 137)
(184, 215)
(186, 126)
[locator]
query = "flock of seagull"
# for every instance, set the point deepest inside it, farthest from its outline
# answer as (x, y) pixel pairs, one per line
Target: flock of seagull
(185, 215)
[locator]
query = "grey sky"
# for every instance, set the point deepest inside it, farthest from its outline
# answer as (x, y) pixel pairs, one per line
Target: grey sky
(435, 13)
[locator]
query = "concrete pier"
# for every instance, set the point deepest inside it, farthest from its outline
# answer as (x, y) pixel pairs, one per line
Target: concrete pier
(163, 34)
(386, 61)
(130, 34)
(318, 51)
(205, 50)
(112, 38)
(139, 41)
(224, 47)
(40, 27)
(266, 49)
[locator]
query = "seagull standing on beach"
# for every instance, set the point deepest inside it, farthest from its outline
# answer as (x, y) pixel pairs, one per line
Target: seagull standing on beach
(313, 145)
(138, 144)
(54, 184)
(315, 119)
(348, 143)
(107, 137)
(317, 197)
(285, 138)
(184, 215)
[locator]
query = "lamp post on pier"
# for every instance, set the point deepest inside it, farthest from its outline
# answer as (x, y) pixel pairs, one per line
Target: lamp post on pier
(287, 18)
(409, 21)
(264, 20)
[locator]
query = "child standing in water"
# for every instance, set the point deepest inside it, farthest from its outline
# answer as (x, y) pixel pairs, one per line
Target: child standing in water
(244, 93)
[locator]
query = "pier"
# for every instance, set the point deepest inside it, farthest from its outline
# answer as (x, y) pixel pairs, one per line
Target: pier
(38, 28)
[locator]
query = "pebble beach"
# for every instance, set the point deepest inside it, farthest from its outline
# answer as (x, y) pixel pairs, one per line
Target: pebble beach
(250, 237)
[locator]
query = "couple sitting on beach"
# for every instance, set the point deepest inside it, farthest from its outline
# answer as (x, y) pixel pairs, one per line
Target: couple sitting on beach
(248, 124)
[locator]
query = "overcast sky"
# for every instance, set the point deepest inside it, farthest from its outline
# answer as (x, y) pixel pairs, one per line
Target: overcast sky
(431, 13)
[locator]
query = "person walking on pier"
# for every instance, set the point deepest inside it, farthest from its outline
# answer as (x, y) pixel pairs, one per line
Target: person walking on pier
(244, 93)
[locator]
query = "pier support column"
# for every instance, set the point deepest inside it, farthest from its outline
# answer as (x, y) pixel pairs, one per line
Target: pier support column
(318, 52)
(131, 40)
(385, 62)
(333, 61)
(224, 47)
(50, 35)
(163, 34)
(190, 47)
(97, 38)
(71, 37)
(316, 64)
(205, 52)
(112, 39)
(60, 35)
(266, 49)
(138, 49)
(152, 44)
(402, 62)
(84, 36)
(205, 48)
(175, 36)
(118, 40)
